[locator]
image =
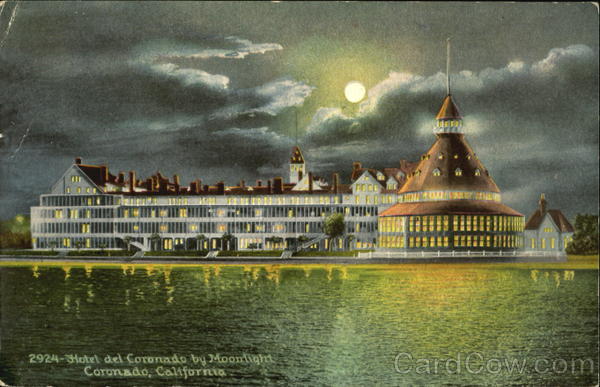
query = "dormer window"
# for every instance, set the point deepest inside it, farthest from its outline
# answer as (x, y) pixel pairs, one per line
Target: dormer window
(458, 172)
(441, 156)
(468, 157)
(477, 172)
(455, 156)
(437, 172)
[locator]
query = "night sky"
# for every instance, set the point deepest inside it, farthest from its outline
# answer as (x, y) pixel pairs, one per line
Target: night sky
(212, 91)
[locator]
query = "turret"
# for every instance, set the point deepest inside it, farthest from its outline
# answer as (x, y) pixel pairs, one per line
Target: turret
(297, 165)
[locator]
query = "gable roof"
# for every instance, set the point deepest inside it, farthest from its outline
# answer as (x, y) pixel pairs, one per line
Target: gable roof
(559, 219)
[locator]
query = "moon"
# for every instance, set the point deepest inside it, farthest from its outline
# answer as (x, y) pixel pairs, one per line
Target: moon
(354, 91)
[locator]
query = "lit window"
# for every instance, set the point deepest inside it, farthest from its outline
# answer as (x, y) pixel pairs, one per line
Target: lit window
(437, 172)
(440, 156)
(477, 172)
(458, 172)
(455, 156)
(78, 189)
(68, 189)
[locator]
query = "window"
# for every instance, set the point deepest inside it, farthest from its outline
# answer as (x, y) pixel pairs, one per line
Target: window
(437, 172)
(68, 190)
(458, 172)
(75, 179)
(477, 172)
(78, 189)
(552, 243)
(183, 213)
(441, 156)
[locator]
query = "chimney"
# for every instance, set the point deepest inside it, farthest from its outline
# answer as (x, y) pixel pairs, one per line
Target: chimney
(242, 184)
(206, 188)
(310, 182)
(121, 178)
(259, 183)
(356, 165)
(149, 185)
(542, 204)
(198, 185)
(269, 187)
(176, 180)
(299, 175)
(104, 173)
(220, 188)
(78, 160)
(278, 185)
(336, 183)
(132, 181)
(194, 187)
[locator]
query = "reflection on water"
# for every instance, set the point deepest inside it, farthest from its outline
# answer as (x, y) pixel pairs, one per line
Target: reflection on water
(322, 324)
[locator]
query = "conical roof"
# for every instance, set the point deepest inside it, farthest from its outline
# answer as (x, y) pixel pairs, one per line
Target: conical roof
(449, 110)
(297, 157)
(450, 164)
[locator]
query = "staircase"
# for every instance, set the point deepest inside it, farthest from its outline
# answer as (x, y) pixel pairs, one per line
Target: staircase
(311, 242)
(286, 254)
(212, 254)
(138, 254)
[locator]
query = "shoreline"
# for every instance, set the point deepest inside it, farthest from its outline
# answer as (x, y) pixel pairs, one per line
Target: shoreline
(286, 261)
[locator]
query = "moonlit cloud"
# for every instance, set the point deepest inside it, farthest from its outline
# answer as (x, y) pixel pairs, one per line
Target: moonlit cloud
(244, 48)
(192, 77)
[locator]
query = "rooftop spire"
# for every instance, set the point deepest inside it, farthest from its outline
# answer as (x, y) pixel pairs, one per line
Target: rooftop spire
(448, 66)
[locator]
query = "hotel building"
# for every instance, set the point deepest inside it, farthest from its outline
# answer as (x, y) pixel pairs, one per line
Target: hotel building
(89, 208)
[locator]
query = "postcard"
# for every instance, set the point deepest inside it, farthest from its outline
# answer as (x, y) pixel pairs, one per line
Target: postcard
(298, 193)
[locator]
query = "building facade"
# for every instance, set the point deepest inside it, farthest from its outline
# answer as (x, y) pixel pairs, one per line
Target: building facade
(450, 201)
(91, 208)
(547, 230)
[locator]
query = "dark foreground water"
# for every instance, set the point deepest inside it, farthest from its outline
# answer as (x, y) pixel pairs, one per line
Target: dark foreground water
(285, 325)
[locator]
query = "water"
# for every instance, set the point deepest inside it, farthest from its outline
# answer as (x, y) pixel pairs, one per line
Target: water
(309, 325)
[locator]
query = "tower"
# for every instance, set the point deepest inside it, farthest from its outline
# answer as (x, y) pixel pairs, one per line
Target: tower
(297, 165)
(450, 201)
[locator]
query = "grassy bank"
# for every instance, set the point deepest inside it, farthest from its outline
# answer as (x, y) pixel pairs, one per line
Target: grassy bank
(100, 253)
(28, 252)
(180, 253)
(352, 253)
(256, 253)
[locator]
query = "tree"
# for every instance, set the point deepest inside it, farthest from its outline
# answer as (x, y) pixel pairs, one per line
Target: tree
(200, 238)
(350, 238)
(226, 239)
(155, 241)
(585, 238)
(334, 227)
(102, 246)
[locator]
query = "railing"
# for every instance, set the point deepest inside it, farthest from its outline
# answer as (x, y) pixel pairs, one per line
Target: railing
(453, 253)
(311, 242)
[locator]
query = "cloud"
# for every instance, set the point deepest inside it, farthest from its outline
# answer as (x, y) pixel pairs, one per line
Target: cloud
(533, 124)
(244, 48)
(282, 94)
(192, 77)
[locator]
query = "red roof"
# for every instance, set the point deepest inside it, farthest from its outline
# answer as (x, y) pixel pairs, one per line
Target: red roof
(297, 157)
(450, 207)
(449, 110)
(438, 168)
(557, 216)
